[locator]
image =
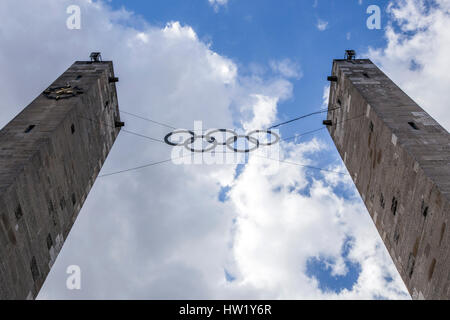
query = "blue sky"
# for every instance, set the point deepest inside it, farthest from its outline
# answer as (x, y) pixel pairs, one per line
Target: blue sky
(238, 232)
(257, 32)
(253, 36)
(319, 268)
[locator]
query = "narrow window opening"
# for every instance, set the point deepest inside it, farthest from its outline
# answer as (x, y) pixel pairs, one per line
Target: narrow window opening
(394, 206)
(371, 126)
(74, 200)
(396, 236)
(107, 104)
(34, 269)
(30, 127)
(382, 203)
(424, 209)
(413, 125)
(442, 233)
(62, 203)
(18, 212)
(411, 263)
(339, 102)
(431, 270)
(72, 128)
(366, 75)
(79, 77)
(49, 241)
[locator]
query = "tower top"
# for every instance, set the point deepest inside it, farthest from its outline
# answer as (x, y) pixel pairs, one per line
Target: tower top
(350, 55)
(96, 56)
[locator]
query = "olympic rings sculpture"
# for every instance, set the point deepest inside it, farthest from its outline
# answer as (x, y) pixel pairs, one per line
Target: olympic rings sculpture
(228, 142)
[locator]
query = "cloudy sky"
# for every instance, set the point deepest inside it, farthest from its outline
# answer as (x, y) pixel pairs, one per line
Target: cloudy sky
(263, 230)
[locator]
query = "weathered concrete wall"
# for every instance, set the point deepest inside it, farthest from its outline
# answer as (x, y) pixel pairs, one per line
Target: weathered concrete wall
(47, 171)
(399, 158)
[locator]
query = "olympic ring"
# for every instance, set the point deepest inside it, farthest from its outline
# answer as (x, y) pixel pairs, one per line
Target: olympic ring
(212, 140)
(208, 135)
(277, 137)
(166, 138)
(214, 143)
(255, 141)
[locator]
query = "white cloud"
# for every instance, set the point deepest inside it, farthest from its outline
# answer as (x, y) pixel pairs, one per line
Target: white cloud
(144, 223)
(161, 232)
(286, 68)
(147, 229)
(321, 25)
(216, 4)
(418, 60)
(263, 109)
(279, 228)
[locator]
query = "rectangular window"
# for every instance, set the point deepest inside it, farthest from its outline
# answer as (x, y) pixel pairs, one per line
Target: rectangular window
(49, 241)
(30, 127)
(424, 209)
(394, 206)
(34, 269)
(413, 125)
(18, 212)
(431, 270)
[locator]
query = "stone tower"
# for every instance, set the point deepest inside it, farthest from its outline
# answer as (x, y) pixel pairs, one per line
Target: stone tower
(399, 158)
(50, 156)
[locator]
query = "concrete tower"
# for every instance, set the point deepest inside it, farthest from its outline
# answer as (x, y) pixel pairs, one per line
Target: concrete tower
(399, 158)
(50, 156)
